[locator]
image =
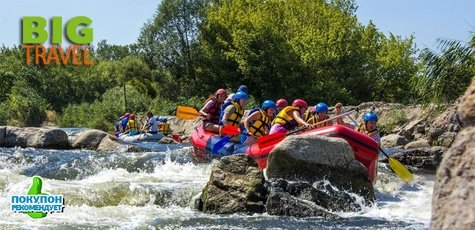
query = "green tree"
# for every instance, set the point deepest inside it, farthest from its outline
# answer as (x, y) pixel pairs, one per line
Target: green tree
(446, 73)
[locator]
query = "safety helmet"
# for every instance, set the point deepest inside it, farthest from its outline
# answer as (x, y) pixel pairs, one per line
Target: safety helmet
(370, 116)
(240, 95)
(300, 103)
(162, 119)
(127, 115)
(132, 117)
(243, 88)
(221, 91)
(268, 104)
(281, 103)
(321, 107)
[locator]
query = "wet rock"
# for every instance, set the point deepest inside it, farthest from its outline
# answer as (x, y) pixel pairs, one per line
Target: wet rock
(313, 158)
(423, 158)
(89, 139)
(183, 127)
(108, 143)
(393, 140)
(167, 140)
(466, 110)
(416, 126)
(236, 185)
(454, 197)
(33, 137)
(417, 144)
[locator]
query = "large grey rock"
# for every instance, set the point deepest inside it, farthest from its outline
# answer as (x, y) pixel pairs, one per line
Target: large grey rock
(417, 144)
(453, 201)
(107, 144)
(445, 139)
(444, 128)
(236, 185)
(313, 158)
(428, 158)
(466, 110)
(34, 137)
(393, 140)
(89, 139)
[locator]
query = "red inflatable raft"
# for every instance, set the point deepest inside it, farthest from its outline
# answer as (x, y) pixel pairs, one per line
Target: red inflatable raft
(365, 148)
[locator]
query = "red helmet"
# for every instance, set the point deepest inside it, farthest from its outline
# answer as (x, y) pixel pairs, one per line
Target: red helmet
(221, 91)
(281, 103)
(300, 103)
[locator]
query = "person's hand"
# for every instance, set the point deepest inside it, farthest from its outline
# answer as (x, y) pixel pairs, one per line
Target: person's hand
(250, 134)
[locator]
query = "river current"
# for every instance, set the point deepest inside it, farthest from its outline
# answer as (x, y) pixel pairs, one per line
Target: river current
(155, 190)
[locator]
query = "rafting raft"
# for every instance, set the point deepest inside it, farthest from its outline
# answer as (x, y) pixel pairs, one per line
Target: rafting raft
(142, 137)
(364, 147)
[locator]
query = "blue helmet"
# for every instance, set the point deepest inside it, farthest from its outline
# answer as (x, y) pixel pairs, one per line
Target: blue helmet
(163, 119)
(321, 107)
(268, 104)
(370, 116)
(243, 88)
(240, 95)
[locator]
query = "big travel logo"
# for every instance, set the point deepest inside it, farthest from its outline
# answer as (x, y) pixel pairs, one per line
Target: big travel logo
(76, 31)
(36, 203)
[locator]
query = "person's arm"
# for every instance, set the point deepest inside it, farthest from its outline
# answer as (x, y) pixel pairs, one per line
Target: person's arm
(296, 115)
(204, 110)
(339, 120)
(227, 113)
(247, 121)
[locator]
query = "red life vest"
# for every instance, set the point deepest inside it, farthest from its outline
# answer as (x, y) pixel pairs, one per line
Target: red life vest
(214, 110)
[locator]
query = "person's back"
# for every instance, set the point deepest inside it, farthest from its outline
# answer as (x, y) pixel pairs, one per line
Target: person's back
(163, 126)
(132, 126)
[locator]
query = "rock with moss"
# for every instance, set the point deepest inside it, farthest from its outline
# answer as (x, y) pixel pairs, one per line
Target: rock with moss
(236, 185)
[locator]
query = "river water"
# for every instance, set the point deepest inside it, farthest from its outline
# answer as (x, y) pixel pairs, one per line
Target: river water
(155, 190)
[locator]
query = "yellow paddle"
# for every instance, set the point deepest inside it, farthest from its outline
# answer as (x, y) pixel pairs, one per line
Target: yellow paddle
(399, 168)
(187, 113)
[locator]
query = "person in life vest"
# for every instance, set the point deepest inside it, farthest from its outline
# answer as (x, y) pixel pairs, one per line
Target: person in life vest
(211, 110)
(234, 113)
(290, 117)
(320, 114)
(243, 88)
(152, 124)
(368, 127)
(259, 121)
(281, 104)
(132, 126)
(163, 126)
(119, 124)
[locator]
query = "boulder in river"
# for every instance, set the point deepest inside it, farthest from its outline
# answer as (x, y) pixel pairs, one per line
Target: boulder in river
(393, 140)
(454, 197)
(445, 127)
(304, 162)
(89, 139)
(422, 143)
(428, 158)
(33, 137)
(236, 185)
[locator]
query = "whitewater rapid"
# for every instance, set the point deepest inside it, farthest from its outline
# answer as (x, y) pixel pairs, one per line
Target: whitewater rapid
(155, 190)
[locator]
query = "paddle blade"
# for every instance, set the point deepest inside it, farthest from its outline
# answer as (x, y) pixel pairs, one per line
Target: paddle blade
(220, 144)
(177, 138)
(269, 140)
(230, 130)
(187, 113)
(400, 170)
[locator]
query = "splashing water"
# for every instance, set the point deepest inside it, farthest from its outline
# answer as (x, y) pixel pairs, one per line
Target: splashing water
(155, 190)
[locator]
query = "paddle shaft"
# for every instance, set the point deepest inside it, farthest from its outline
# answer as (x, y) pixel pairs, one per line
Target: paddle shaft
(322, 122)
